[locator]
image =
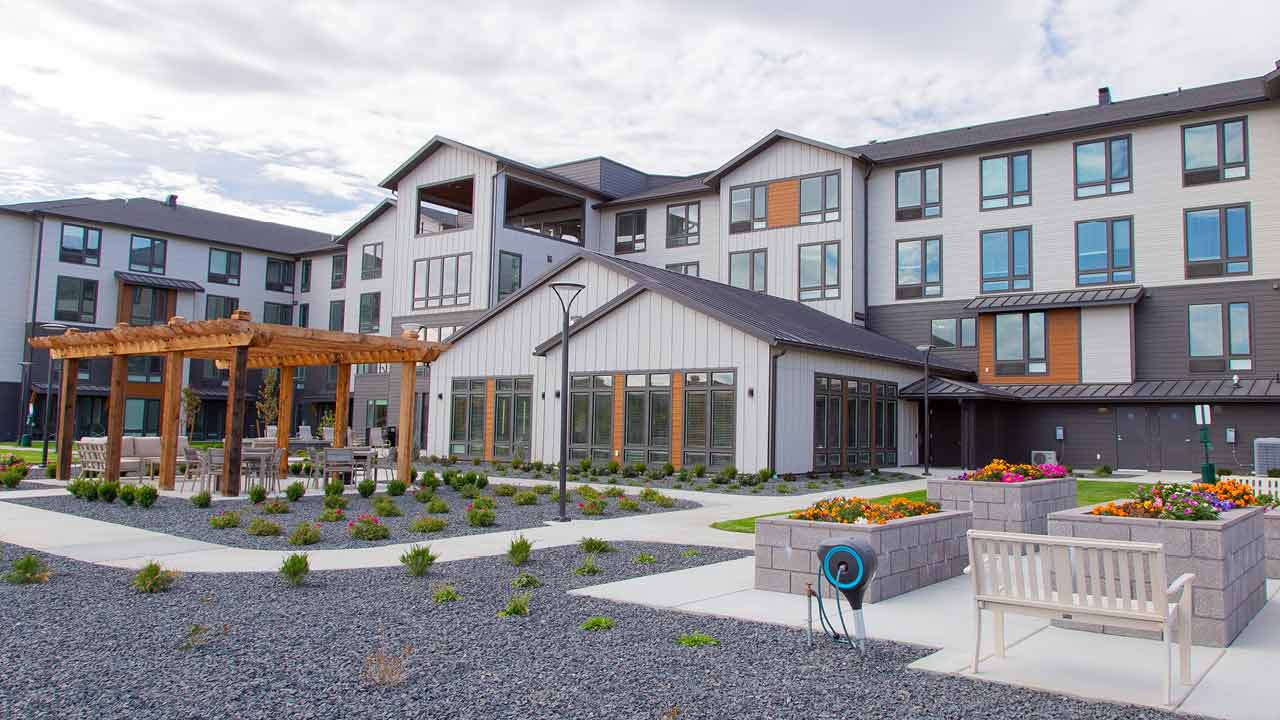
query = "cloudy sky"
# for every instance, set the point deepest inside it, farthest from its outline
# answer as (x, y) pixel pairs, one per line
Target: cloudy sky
(295, 111)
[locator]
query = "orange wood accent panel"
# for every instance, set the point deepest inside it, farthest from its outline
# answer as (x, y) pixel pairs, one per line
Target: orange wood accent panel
(488, 418)
(1063, 328)
(677, 418)
(784, 203)
(619, 382)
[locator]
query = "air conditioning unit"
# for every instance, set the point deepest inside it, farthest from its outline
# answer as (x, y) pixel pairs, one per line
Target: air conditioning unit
(1044, 457)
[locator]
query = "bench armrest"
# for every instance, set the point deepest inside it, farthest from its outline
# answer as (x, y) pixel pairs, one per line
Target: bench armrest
(1180, 586)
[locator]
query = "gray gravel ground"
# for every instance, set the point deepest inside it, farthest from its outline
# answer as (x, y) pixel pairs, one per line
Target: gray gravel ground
(85, 645)
(24, 485)
(181, 518)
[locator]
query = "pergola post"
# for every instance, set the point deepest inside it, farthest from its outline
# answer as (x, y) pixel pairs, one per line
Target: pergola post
(66, 418)
(170, 406)
(284, 417)
(115, 414)
(237, 376)
(404, 432)
(341, 419)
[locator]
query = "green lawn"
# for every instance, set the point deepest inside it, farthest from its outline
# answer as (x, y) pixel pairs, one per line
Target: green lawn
(1088, 492)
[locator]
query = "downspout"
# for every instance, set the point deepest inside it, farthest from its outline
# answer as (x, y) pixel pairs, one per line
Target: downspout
(866, 244)
(24, 382)
(773, 406)
(491, 296)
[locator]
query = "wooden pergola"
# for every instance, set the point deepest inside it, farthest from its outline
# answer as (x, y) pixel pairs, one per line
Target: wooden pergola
(237, 345)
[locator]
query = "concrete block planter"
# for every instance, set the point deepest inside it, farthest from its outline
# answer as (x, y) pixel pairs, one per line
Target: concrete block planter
(1227, 555)
(913, 552)
(1272, 523)
(1006, 507)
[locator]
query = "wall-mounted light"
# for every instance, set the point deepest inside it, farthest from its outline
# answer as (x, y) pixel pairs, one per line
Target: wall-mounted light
(751, 392)
(557, 394)
(1235, 380)
(439, 396)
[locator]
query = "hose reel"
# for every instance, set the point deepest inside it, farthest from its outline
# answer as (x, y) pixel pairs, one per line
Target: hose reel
(848, 565)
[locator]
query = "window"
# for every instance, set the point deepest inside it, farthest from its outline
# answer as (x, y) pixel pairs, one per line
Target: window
(969, 332)
(80, 244)
(683, 224)
(338, 273)
(820, 271)
(1206, 336)
(1006, 181)
(304, 283)
(542, 211)
(1006, 260)
(1020, 344)
(146, 305)
(748, 208)
(278, 313)
(224, 266)
(337, 314)
(438, 333)
(591, 417)
(689, 268)
(855, 423)
(710, 418)
(446, 206)
(466, 422)
(512, 417)
(1218, 241)
(375, 413)
(629, 232)
(370, 312)
(942, 333)
(646, 418)
(749, 270)
(1103, 167)
(510, 266)
(442, 281)
(219, 307)
(1214, 152)
(1104, 251)
(304, 315)
(371, 261)
(919, 268)
(146, 254)
(820, 199)
(919, 193)
(77, 300)
(145, 369)
(141, 416)
(279, 275)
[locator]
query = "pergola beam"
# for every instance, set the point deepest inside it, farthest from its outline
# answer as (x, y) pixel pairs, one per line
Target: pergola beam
(170, 404)
(66, 419)
(284, 417)
(231, 446)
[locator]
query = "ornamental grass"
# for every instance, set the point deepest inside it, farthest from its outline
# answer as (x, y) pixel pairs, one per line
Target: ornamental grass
(858, 511)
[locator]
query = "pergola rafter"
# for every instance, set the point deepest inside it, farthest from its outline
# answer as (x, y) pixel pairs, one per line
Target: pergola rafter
(236, 344)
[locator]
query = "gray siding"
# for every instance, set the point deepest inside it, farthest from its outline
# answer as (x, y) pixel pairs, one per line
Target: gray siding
(1161, 335)
(909, 322)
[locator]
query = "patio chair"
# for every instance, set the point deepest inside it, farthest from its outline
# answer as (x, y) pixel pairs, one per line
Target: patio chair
(93, 458)
(199, 469)
(382, 462)
(338, 461)
(376, 438)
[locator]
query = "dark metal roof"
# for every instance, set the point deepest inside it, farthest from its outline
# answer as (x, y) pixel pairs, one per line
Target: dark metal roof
(1127, 295)
(147, 215)
(606, 175)
(1077, 120)
(952, 389)
(692, 185)
(772, 138)
(158, 281)
(369, 217)
(1184, 390)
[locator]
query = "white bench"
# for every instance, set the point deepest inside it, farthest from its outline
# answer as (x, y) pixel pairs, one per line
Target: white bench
(1108, 582)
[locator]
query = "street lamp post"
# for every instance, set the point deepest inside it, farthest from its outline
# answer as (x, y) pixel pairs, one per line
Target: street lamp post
(24, 368)
(48, 394)
(567, 292)
(926, 349)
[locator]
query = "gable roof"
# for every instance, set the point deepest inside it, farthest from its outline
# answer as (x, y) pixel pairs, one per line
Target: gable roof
(180, 220)
(369, 217)
(393, 180)
(768, 140)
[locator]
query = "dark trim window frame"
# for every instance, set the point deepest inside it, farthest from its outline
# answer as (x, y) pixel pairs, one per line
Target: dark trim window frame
(147, 254)
(337, 315)
(855, 422)
(76, 300)
(465, 219)
(1116, 159)
(219, 307)
(1018, 268)
(1234, 247)
(1220, 337)
(918, 193)
(512, 417)
(969, 332)
(630, 232)
(1015, 173)
(820, 198)
(819, 285)
(1031, 354)
(756, 268)
(442, 281)
(1230, 140)
(510, 274)
(371, 261)
(304, 276)
(591, 417)
(147, 305)
(646, 417)
(277, 313)
(338, 272)
(85, 247)
(684, 224)
(279, 275)
(370, 312)
(748, 208)
(710, 418)
(926, 281)
(686, 268)
(953, 333)
(226, 270)
(1116, 264)
(304, 314)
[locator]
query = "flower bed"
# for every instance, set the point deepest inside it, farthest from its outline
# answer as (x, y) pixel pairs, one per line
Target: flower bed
(857, 511)
(1007, 498)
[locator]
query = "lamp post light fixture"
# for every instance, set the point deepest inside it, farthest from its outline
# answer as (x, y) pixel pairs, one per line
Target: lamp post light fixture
(48, 394)
(567, 292)
(926, 349)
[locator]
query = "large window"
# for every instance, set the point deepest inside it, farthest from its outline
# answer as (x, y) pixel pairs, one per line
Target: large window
(1006, 180)
(278, 313)
(1218, 241)
(855, 423)
(1006, 260)
(280, 275)
(438, 333)
(466, 417)
(1021, 344)
(145, 369)
(1104, 251)
(371, 261)
(1220, 337)
(304, 281)
(445, 206)
(820, 271)
(646, 418)
(219, 307)
(686, 268)
(510, 269)
(338, 272)
(337, 314)
(375, 413)
(304, 315)
(820, 199)
(683, 224)
(141, 416)
(749, 269)
(370, 312)
(1215, 151)
(146, 254)
(748, 208)
(147, 306)
(1103, 167)
(512, 417)
(224, 266)
(710, 418)
(919, 268)
(919, 193)
(629, 232)
(76, 301)
(591, 417)
(80, 244)
(442, 281)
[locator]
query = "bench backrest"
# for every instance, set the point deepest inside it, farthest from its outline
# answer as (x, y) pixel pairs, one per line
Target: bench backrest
(1074, 574)
(1261, 485)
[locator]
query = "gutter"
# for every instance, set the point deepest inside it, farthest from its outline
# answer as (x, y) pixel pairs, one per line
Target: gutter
(774, 354)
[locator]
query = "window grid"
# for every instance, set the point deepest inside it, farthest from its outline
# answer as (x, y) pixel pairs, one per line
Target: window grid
(646, 418)
(510, 270)
(1220, 337)
(371, 261)
(918, 193)
(1103, 167)
(591, 417)
(629, 232)
(277, 313)
(1104, 251)
(1215, 151)
(820, 198)
(855, 423)
(919, 268)
(1006, 259)
(280, 275)
(1005, 180)
(81, 245)
(819, 271)
(1218, 241)
(338, 272)
(147, 254)
(749, 269)
(748, 208)
(219, 307)
(443, 281)
(684, 224)
(710, 413)
(337, 314)
(1021, 344)
(304, 282)
(688, 268)
(76, 300)
(224, 266)
(370, 312)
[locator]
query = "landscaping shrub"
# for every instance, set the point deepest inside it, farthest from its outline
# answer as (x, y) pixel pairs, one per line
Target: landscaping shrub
(519, 550)
(334, 488)
(202, 499)
(518, 605)
(543, 489)
(27, 570)
(437, 506)
(12, 477)
(612, 467)
(107, 491)
(655, 473)
(785, 489)
(305, 534)
(295, 567)
(525, 497)
(856, 510)
(1102, 471)
(88, 490)
(262, 527)
(764, 475)
(444, 594)
(650, 494)
(696, 639)
(480, 517)
(614, 492)
(429, 480)
(525, 581)
(594, 624)
(645, 559)
(334, 514)
(727, 474)
(690, 553)
(629, 471)
(225, 520)
(700, 470)
(593, 545)
(585, 464)
(275, 506)
(334, 502)
(295, 468)
(257, 494)
(417, 559)
(469, 492)
(586, 492)
(423, 496)
(366, 488)
(396, 488)
(588, 566)
(628, 504)
(484, 503)
(594, 506)
(428, 524)
(153, 579)
(664, 501)
(128, 494)
(368, 527)
(295, 491)
(1222, 472)
(146, 496)
(504, 490)
(384, 506)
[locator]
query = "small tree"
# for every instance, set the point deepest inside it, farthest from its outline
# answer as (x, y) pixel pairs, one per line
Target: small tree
(190, 408)
(268, 405)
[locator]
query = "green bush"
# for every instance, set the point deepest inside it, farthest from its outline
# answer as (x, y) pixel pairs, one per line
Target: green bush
(612, 467)
(295, 491)
(484, 503)
(295, 468)
(588, 566)
(368, 527)
(645, 559)
(396, 488)
(764, 475)
(629, 504)
(334, 488)
(417, 559)
(650, 494)
(525, 581)
(728, 473)
(334, 514)
(107, 491)
(699, 470)
(262, 527)
(1102, 471)
(614, 492)
(437, 505)
(444, 594)
(257, 494)
(594, 624)
(334, 502)
(480, 517)
(784, 489)
(519, 550)
(684, 475)
(128, 494)
(1222, 472)
(153, 579)
(202, 499)
(696, 639)
(429, 480)
(525, 497)
(664, 501)
(593, 507)
(543, 489)
(423, 496)
(27, 570)
(585, 465)
(366, 487)
(224, 520)
(305, 534)
(469, 492)
(275, 506)
(690, 553)
(384, 506)
(593, 545)
(586, 492)
(147, 495)
(295, 567)
(428, 524)
(12, 478)
(88, 490)
(518, 605)
(504, 490)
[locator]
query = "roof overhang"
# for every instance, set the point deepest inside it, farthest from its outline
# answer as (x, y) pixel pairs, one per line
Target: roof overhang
(1127, 295)
(392, 181)
(362, 223)
(768, 140)
(941, 388)
(158, 281)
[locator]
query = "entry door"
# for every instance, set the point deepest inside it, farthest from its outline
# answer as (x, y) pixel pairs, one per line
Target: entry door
(1133, 446)
(944, 432)
(1177, 442)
